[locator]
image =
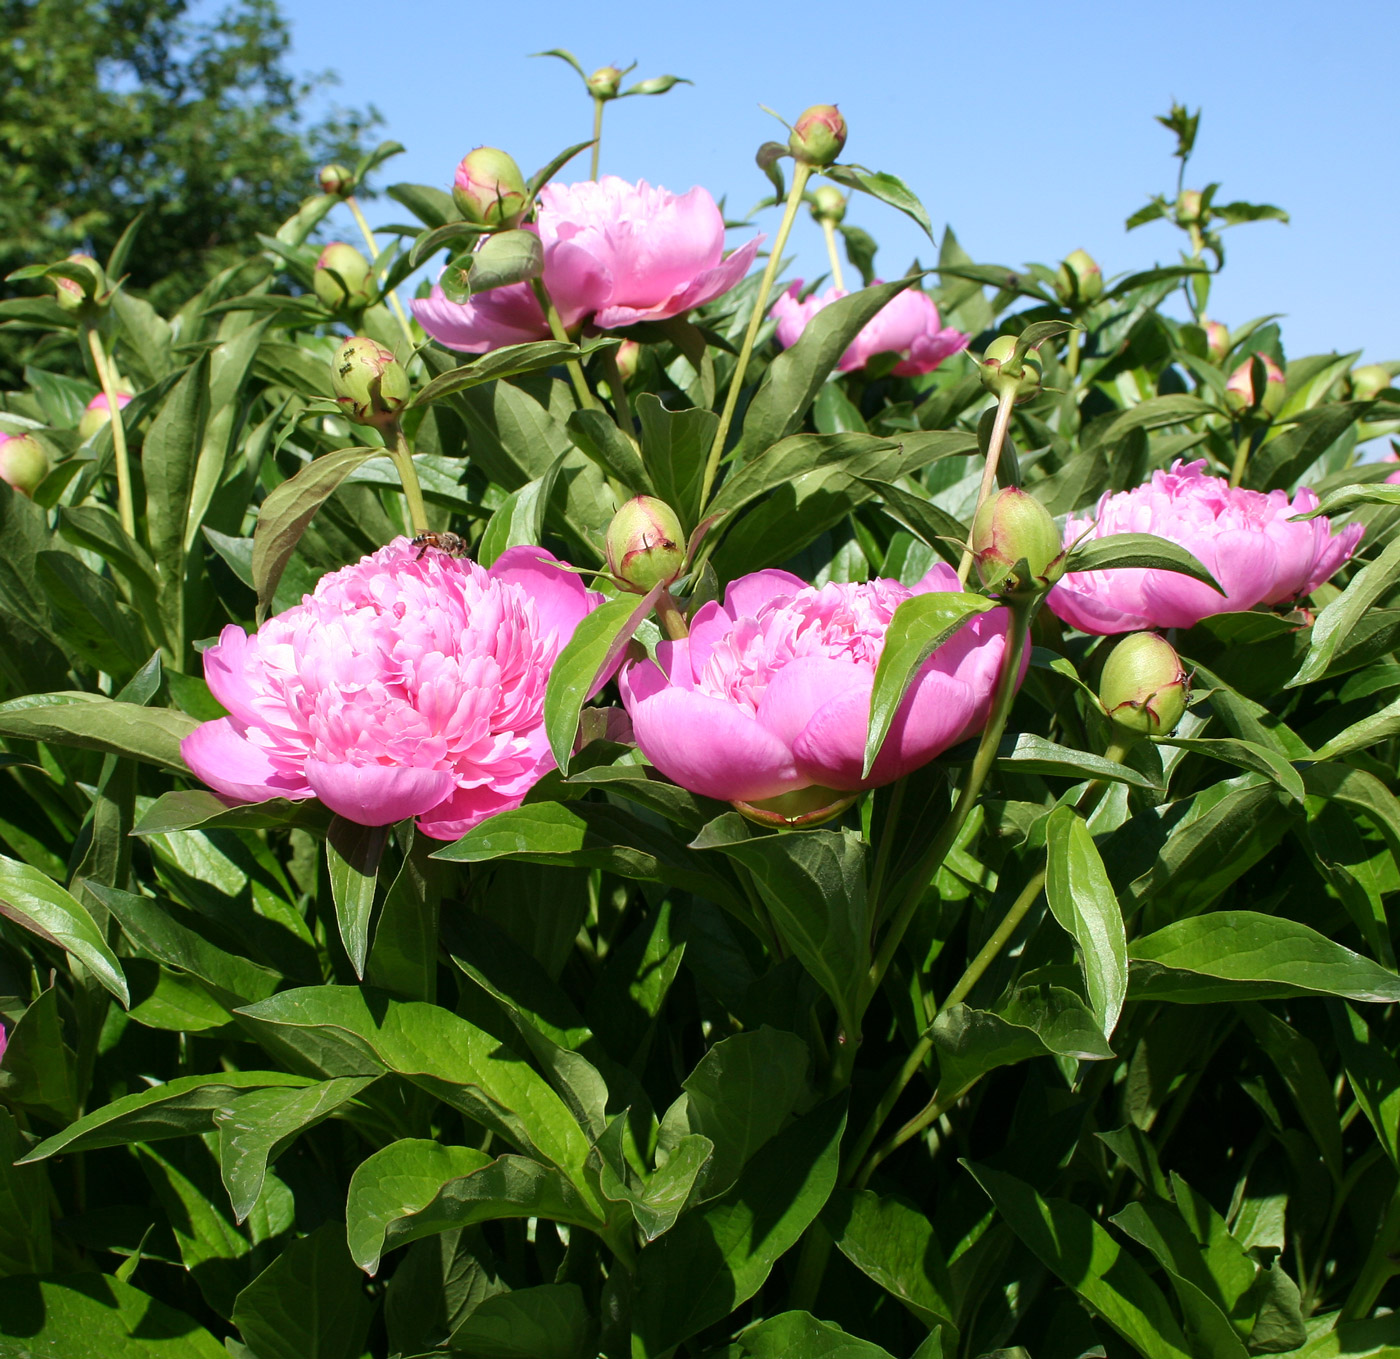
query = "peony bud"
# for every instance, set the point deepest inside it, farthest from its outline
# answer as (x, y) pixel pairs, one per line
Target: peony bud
(370, 383)
(629, 355)
(489, 189)
(819, 135)
(1239, 388)
(1144, 690)
(337, 180)
(1079, 280)
(1369, 381)
(645, 544)
(828, 204)
(1217, 340)
(74, 296)
(604, 82)
(1188, 208)
(1013, 526)
(343, 278)
(999, 373)
(98, 413)
(23, 462)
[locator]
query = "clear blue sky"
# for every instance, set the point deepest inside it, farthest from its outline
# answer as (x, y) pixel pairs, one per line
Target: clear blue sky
(1027, 128)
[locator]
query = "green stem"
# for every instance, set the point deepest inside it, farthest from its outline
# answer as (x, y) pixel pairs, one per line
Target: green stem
(672, 619)
(402, 455)
(989, 471)
(1072, 356)
(622, 407)
(597, 136)
(1001, 936)
(374, 255)
(1241, 460)
(882, 856)
(1380, 1267)
(934, 1109)
(106, 378)
(829, 231)
(800, 174)
(586, 399)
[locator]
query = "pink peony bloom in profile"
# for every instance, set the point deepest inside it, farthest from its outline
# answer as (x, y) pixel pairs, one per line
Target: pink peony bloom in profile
(405, 685)
(770, 693)
(614, 254)
(907, 325)
(1243, 538)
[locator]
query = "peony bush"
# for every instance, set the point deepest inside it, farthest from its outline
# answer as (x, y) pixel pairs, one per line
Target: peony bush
(618, 802)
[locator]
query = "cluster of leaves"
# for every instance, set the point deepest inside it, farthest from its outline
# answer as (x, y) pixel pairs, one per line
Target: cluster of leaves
(586, 1081)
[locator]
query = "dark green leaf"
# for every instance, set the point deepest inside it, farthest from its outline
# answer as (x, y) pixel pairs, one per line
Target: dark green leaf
(1137, 550)
(352, 861)
(548, 1321)
(92, 722)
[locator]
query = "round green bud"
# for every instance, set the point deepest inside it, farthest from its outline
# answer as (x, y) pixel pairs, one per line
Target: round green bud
(337, 180)
(1013, 526)
(1144, 690)
(1188, 208)
(343, 278)
(75, 296)
(818, 135)
(370, 384)
(1369, 381)
(1217, 340)
(605, 82)
(645, 544)
(828, 204)
(23, 462)
(489, 189)
(1079, 280)
(1000, 372)
(1239, 387)
(629, 356)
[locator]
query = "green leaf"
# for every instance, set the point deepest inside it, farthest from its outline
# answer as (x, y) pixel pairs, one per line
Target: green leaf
(585, 663)
(256, 1128)
(499, 363)
(503, 258)
(799, 1335)
(352, 862)
(38, 904)
(1082, 899)
(1329, 1337)
(1245, 755)
(39, 1070)
(1242, 955)
(919, 627)
(26, 1233)
(1031, 754)
(1069, 1243)
(520, 519)
(550, 168)
(658, 1199)
(675, 447)
(1136, 551)
(94, 1314)
(1373, 1073)
(179, 1108)
(887, 188)
(92, 722)
(796, 375)
(429, 204)
(197, 809)
(1370, 731)
(596, 434)
(415, 1188)
(717, 1257)
(548, 1321)
(289, 508)
(1338, 620)
(895, 1245)
(452, 1059)
(309, 1303)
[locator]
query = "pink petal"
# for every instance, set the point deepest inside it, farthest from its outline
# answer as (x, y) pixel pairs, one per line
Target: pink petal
(226, 673)
(1092, 611)
(229, 763)
(579, 282)
(490, 320)
(560, 595)
(466, 808)
(377, 794)
(795, 692)
(743, 598)
(704, 288)
(1335, 554)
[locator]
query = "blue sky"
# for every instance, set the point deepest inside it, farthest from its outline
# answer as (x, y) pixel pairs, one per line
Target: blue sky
(1028, 129)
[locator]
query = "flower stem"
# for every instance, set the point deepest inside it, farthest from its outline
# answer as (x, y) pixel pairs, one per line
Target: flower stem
(597, 136)
(402, 455)
(989, 471)
(829, 231)
(374, 255)
(1380, 1267)
(800, 174)
(106, 378)
(672, 619)
(622, 407)
(586, 399)
(1072, 356)
(1241, 460)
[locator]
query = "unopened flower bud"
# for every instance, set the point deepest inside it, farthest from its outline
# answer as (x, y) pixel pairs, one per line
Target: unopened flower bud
(1013, 526)
(818, 135)
(1144, 690)
(343, 278)
(1188, 208)
(337, 180)
(645, 544)
(1000, 373)
(1239, 388)
(605, 82)
(489, 189)
(1079, 280)
(1217, 340)
(828, 204)
(629, 355)
(370, 383)
(1369, 381)
(23, 462)
(98, 413)
(74, 296)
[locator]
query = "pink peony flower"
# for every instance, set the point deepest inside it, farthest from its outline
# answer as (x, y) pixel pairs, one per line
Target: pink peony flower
(614, 254)
(1243, 538)
(406, 685)
(908, 325)
(770, 694)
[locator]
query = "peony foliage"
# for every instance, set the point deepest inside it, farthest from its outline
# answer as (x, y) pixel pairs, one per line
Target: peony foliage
(616, 802)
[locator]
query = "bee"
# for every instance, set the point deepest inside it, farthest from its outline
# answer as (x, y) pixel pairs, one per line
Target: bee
(454, 545)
